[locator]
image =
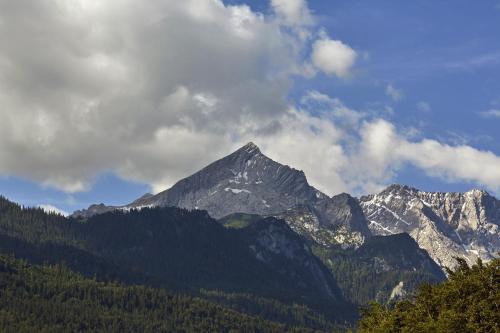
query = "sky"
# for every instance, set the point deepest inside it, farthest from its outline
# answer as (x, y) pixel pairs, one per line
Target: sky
(105, 101)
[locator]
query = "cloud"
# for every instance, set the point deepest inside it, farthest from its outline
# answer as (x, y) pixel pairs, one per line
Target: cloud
(395, 94)
(331, 108)
(311, 144)
(478, 61)
(333, 57)
(424, 106)
(153, 91)
(294, 13)
(148, 90)
(384, 151)
(52, 209)
(341, 149)
(366, 155)
(493, 113)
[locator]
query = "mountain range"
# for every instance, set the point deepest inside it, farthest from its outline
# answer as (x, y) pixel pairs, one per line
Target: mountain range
(254, 265)
(446, 225)
(253, 236)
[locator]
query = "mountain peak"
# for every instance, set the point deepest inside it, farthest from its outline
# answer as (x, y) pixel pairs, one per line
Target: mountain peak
(477, 192)
(250, 148)
(398, 188)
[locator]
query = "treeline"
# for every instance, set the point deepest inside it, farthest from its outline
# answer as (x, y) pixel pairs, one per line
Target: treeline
(469, 301)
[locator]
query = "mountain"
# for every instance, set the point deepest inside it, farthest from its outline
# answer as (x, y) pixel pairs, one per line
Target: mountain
(446, 225)
(329, 221)
(275, 244)
(382, 268)
(247, 181)
(185, 251)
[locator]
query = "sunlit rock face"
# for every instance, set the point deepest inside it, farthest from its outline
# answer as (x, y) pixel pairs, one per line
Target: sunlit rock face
(447, 225)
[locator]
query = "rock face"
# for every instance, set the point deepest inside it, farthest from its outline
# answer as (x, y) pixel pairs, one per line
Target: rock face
(336, 220)
(247, 181)
(273, 243)
(397, 253)
(446, 225)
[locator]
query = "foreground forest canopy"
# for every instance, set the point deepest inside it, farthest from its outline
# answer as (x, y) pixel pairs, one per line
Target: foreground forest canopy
(36, 298)
(469, 301)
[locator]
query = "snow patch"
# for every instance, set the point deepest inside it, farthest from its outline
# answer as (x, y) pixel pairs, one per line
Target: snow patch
(129, 208)
(236, 191)
(378, 225)
(392, 213)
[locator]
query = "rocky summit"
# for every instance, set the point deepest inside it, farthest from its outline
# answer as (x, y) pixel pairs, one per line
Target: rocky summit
(247, 181)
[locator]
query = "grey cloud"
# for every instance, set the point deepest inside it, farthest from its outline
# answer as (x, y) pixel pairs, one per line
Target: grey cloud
(92, 86)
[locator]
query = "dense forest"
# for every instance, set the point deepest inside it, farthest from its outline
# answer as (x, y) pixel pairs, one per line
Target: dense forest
(469, 301)
(55, 299)
(52, 298)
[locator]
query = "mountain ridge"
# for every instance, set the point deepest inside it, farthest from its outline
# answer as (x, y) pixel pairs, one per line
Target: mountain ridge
(446, 224)
(246, 181)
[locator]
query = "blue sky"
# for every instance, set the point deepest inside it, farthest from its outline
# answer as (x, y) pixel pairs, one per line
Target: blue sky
(429, 68)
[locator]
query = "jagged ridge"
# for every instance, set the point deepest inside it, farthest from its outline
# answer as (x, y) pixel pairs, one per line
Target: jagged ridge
(447, 225)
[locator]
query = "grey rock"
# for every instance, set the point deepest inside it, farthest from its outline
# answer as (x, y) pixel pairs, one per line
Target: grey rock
(327, 221)
(446, 225)
(247, 181)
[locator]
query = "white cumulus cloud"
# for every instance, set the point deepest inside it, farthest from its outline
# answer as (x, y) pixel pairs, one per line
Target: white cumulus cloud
(383, 151)
(293, 12)
(333, 57)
